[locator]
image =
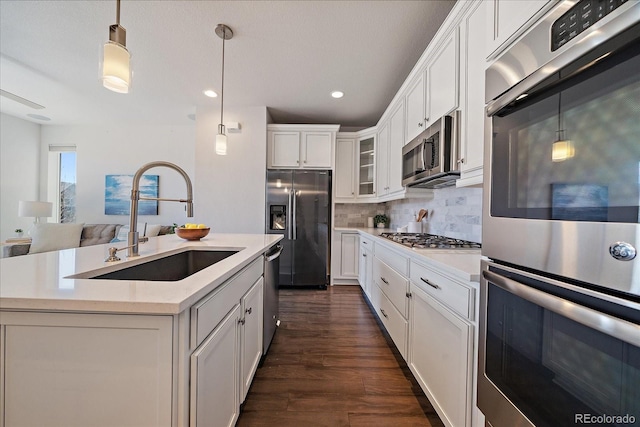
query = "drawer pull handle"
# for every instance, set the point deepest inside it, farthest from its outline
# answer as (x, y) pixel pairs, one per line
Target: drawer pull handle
(364, 255)
(383, 313)
(384, 280)
(248, 310)
(433, 285)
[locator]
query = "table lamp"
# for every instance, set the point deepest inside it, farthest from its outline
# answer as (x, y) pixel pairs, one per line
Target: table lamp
(36, 210)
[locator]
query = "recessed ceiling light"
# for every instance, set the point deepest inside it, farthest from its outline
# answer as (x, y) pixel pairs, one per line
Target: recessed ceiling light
(337, 94)
(210, 93)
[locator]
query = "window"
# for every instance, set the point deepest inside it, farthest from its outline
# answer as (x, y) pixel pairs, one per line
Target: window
(62, 182)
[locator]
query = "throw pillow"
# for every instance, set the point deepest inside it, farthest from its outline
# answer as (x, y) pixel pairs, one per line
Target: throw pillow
(47, 237)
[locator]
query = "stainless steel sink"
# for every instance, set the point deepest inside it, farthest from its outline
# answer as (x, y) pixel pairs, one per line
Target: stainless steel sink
(167, 269)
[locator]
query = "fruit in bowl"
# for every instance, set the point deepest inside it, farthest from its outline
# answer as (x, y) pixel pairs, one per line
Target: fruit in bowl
(192, 231)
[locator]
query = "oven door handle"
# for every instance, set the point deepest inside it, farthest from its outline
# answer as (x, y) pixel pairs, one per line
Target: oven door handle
(602, 322)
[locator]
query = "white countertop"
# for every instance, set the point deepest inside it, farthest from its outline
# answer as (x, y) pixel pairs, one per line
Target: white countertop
(40, 281)
(461, 263)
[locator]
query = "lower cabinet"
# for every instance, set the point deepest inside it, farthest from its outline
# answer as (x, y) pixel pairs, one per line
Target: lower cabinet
(251, 335)
(189, 369)
(441, 357)
(365, 266)
(68, 369)
(215, 397)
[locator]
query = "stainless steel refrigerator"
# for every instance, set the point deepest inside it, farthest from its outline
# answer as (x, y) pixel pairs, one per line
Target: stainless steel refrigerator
(299, 207)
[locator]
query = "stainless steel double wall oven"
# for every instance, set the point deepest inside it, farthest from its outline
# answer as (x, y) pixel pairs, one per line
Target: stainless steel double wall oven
(560, 292)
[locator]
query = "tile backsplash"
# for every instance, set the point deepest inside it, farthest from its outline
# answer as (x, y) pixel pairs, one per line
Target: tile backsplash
(356, 214)
(453, 212)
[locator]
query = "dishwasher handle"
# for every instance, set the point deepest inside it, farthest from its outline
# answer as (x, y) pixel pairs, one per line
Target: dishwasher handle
(274, 253)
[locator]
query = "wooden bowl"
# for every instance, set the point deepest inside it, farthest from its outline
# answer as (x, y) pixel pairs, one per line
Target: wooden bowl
(192, 233)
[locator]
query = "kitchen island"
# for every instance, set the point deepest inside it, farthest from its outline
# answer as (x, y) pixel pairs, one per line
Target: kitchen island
(81, 351)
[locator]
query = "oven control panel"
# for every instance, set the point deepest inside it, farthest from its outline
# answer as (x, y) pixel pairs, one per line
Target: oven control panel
(580, 17)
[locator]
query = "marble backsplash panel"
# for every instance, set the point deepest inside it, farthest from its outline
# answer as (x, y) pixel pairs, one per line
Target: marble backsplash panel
(356, 214)
(453, 212)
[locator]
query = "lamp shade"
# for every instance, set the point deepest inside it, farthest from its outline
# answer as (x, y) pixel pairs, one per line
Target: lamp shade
(221, 144)
(116, 70)
(34, 209)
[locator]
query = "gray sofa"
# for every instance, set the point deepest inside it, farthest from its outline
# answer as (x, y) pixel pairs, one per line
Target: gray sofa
(92, 234)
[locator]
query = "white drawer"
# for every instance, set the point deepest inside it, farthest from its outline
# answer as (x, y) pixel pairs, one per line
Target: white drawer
(395, 324)
(397, 261)
(210, 310)
(366, 241)
(456, 296)
(394, 285)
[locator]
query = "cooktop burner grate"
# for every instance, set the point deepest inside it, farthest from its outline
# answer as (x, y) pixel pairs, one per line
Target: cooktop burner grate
(430, 241)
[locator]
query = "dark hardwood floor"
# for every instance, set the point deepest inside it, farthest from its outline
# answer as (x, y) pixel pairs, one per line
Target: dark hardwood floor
(331, 365)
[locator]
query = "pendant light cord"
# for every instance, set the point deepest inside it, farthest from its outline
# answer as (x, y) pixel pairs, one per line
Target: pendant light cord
(224, 36)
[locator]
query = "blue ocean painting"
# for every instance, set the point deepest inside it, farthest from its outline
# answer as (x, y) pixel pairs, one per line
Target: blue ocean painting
(117, 194)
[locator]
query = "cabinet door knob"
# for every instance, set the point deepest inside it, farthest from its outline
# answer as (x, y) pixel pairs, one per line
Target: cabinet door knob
(364, 255)
(241, 321)
(408, 295)
(461, 160)
(248, 310)
(419, 125)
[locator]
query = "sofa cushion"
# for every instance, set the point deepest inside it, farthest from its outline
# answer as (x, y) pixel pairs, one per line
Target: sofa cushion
(152, 231)
(52, 237)
(96, 234)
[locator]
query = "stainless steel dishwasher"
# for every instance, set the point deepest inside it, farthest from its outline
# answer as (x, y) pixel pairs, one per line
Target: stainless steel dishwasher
(271, 296)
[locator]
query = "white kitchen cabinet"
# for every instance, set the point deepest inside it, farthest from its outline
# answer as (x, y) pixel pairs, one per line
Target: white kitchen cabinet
(415, 101)
(443, 82)
(344, 176)
(118, 366)
(441, 355)
(473, 117)
(390, 271)
(389, 164)
(251, 307)
(215, 397)
(382, 169)
(507, 19)
(365, 267)
(300, 146)
(349, 256)
(366, 150)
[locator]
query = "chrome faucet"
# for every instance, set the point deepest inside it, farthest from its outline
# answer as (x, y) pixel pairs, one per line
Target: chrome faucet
(132, 237)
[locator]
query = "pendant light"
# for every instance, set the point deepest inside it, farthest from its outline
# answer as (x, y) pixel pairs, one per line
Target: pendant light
(224, 33)
(562, 149)
(116, 69)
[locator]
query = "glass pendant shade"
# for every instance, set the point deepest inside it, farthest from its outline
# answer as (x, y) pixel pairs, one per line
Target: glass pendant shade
(221, 142)
(562, 150)
(116, 70)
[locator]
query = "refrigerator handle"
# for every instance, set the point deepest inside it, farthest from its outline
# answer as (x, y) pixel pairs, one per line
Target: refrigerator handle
(290, 215)
(294, 223)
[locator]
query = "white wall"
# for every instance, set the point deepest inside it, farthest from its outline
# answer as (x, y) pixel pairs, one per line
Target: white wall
(19, 171)
(230, 190)
(103, 150)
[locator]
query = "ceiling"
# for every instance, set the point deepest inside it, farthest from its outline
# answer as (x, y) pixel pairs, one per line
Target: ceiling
(286, 55)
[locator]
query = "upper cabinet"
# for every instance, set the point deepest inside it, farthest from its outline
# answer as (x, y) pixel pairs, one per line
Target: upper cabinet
(344, 177)
(300, 146)
(442, 78)
(366, 165)
(415, 100)
(473, 117)
(434, 92)
(507, 20)
(390, 142)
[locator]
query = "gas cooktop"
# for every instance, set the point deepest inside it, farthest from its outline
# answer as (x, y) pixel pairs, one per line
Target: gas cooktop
(430, 241)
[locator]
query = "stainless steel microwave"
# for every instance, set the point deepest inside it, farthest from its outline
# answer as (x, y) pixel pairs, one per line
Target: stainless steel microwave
(430, 160)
